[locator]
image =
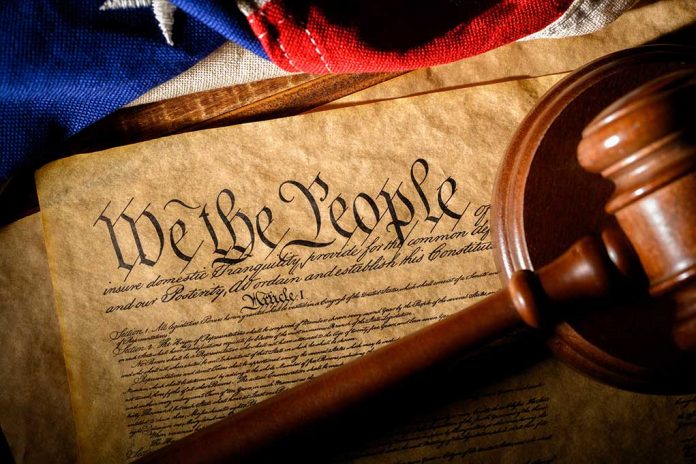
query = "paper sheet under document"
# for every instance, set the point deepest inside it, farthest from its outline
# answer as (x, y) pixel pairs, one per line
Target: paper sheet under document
(35, 412)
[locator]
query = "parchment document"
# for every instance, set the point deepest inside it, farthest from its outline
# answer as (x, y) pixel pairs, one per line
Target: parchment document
(198, 274)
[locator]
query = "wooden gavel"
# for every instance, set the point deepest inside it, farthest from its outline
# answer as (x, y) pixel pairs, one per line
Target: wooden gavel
(646, 144)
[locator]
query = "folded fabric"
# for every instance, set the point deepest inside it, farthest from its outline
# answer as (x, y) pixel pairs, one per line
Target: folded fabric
(67, 63)
(327, 36)
(229, 65)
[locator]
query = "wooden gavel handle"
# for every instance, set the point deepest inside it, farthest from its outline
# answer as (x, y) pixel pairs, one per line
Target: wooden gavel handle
(590, 268)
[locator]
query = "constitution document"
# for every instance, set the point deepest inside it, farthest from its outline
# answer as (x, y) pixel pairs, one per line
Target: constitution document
(199, 274)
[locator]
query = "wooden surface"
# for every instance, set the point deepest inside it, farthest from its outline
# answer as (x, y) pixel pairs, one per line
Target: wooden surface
(256, 101)
(545, 201)
(655, 193)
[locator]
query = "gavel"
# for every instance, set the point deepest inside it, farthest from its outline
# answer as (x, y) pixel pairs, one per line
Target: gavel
(646, 144)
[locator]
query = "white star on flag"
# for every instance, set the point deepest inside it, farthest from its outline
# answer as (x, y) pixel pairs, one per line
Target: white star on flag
(163, 10)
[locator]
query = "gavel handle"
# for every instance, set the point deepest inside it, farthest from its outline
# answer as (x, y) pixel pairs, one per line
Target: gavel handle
(588, 269)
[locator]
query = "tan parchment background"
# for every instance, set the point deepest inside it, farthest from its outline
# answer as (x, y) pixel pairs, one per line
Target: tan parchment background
(462, 134)
(35, 409)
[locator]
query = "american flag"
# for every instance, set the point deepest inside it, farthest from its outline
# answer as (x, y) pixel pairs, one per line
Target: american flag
(65, 64)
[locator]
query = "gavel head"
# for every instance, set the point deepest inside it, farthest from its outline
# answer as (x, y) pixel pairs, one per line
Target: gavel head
(646, 144)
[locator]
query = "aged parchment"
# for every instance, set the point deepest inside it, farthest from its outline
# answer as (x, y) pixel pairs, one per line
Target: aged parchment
(546, 414)
(35, 409)
(197, 274)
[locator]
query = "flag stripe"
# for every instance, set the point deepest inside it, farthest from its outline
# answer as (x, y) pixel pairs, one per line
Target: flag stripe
(584, 17)
(391, 35)
(229, 65)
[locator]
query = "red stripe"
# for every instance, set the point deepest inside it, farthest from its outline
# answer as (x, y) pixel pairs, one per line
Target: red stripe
(319, 39)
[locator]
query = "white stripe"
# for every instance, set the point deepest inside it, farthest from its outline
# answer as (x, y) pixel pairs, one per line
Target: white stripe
(124, 4)
(226, 66)
(249, 6)
(584, 17)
